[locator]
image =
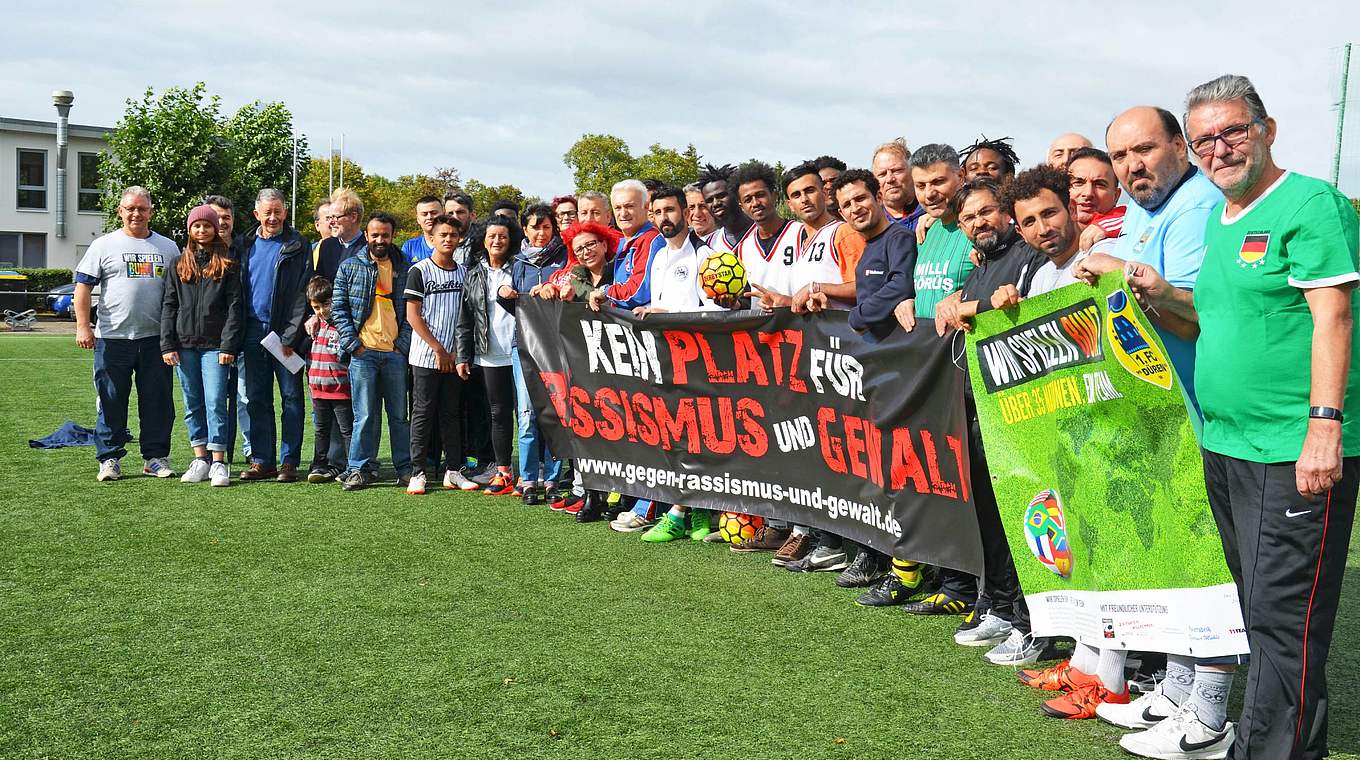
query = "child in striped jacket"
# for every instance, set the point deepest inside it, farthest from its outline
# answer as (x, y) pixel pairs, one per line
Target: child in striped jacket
(328, 378)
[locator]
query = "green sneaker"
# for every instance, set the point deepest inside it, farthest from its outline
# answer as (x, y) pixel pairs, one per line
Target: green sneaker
(668, 529)
(700, 524)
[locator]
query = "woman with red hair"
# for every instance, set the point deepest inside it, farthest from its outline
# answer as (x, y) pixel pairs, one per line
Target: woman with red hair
(590, 248)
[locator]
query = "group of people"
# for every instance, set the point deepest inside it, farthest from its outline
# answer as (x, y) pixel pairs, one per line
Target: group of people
(1246, 270)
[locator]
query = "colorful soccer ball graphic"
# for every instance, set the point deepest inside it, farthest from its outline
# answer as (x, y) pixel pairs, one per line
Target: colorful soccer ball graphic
(1046, 533)
(735, 527)
(722, 274)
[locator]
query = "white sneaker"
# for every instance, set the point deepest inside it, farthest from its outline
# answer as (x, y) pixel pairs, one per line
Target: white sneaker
(109, 469)
(219, 475)
(456, 479)
(1181, 737)
(630, 522)
(1142, 713)
(158, 467)
(990, 631)
(416, 486)
(197, 472)
(1017, 649)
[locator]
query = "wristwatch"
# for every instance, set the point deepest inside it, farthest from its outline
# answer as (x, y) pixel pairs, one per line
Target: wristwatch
(1324, 413)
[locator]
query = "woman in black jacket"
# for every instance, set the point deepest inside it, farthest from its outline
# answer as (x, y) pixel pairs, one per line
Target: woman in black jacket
(486, 337)
(201, 336)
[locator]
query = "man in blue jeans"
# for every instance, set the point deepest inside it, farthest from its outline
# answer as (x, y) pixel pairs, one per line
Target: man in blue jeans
(129, 266)
(369, 311)
(276, 264)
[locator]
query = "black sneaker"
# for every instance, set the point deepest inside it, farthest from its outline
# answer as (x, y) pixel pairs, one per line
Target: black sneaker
(359, 479)
(554, 498)
(887, 592)
(530, 497)
(593, 510)
(939, 603)
(321, 474)
(863, 571)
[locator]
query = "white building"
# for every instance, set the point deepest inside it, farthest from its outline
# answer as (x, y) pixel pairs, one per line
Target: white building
(28, 189)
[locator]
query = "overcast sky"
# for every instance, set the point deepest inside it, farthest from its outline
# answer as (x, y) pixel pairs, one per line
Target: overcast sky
(501, 94)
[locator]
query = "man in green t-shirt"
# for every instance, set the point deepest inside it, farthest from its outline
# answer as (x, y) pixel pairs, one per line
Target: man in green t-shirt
(1274, 305)
(943, 260)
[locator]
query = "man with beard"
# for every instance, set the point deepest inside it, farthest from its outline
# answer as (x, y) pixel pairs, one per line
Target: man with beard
(770, 248)
(732, 224)
(894, 180)
(700, 219)
(1164, 228)
(369, 313)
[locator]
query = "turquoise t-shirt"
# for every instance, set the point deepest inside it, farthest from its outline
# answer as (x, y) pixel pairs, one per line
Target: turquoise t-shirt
(942, 264)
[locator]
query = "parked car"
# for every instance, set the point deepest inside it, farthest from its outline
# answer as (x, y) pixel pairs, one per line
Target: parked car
(61, 301)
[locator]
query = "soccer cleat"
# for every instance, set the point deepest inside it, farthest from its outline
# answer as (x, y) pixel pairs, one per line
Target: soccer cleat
(529, 495)
(417, 485)
(1017, 649)
(1181, 737)
(989, 631)
(158, 467)
(863, 571)
(886, 592)
(257, 471)
(500, 485)
(700, 524)
(1081, 702)
(1060, 677)
(766, 539)
(455, 479)
(109, 469)
(197, 472)
(1142, 713)
(218, 474)
(794, 548)
(939, 603)
(627, 522)
(668, 529)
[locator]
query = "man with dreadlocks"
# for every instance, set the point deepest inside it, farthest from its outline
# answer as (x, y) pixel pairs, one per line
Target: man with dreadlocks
(994, 159)
(722, 204)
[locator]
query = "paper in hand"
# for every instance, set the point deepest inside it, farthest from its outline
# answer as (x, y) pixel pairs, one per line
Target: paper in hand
(274, 345)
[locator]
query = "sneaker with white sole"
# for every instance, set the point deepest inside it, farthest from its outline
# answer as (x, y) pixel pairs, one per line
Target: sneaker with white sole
(197, 472)
(1017, 649)
(630, 522)
(109, 469)
(158, 467)
(990, 631)
(1140, 714)
(455, 479)
(1181, 737)
(219, 475)
(416, 485)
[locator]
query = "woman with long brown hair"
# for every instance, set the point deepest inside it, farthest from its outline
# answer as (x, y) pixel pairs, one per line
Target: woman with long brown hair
(201, 337)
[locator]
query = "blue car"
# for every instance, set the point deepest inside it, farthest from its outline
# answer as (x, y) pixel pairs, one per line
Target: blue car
(61, 301)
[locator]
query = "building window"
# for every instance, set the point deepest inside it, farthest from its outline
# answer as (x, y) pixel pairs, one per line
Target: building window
(89, 182)
(23, 249)
(32, 179)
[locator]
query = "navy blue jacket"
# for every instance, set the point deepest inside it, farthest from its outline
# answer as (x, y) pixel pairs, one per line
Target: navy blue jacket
(883, 279)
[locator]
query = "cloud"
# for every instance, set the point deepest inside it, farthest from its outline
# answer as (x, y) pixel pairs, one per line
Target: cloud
(501, 92)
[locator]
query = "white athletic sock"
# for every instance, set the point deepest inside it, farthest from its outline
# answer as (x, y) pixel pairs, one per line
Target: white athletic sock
(677, 513)
(1085, 658)
(801, 530)
(1110, 669)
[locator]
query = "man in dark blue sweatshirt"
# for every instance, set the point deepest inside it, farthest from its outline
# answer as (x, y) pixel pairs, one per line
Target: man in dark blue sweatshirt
(883, 275)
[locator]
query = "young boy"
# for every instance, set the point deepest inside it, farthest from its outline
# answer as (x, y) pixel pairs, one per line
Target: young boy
(329, 380)
(434, 299)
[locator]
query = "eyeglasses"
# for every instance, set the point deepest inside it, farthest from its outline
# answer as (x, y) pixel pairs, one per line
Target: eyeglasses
(1232, 137)
(336, 217)
(145, 210)
(586, 245)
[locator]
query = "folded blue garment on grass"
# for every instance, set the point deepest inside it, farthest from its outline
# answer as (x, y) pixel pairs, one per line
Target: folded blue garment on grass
(69, 434)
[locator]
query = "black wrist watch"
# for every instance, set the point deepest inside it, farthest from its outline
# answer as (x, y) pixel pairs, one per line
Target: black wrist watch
(1324, 413)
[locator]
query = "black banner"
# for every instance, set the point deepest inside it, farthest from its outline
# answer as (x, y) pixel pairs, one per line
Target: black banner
(796, 417)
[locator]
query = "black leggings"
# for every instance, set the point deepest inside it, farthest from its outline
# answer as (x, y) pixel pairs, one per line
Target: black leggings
(436, 418)
(500, 393)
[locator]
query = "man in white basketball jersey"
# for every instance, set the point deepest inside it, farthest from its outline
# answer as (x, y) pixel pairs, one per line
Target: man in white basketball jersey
(770, 248)
(826, 262)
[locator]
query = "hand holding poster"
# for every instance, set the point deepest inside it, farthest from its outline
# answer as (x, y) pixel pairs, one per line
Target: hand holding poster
(789, 416)
(1098, 475)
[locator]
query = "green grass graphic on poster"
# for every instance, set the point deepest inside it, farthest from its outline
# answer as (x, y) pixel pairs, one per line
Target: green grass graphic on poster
(1090, 446)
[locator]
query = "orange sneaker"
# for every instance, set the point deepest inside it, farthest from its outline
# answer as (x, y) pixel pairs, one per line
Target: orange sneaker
(501, 484)
(1060, 677)
(1081, 702)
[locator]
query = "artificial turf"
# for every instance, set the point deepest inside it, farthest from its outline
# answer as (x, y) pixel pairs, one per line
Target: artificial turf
(149, 618)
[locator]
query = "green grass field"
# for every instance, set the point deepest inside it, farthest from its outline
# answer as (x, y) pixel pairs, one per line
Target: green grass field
(153, 619)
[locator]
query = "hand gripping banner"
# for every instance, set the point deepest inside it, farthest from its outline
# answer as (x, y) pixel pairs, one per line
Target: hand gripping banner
(1098, 475)
(795, 417)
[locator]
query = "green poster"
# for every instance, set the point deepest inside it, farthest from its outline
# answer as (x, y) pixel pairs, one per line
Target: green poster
(1098, 475)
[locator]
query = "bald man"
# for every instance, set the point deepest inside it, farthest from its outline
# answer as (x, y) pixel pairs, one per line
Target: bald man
(1062, 148)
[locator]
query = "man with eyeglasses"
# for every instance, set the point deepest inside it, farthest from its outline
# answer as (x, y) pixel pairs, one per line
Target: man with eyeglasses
(1164, 226)
(344, 214)
(1273, 313)
(129, 267)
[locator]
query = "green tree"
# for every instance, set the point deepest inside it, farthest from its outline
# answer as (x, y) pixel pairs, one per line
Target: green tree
(598, 161)
(259, 140)
(314, 186)
(173, 146)
(484, 196)
(678, 168)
